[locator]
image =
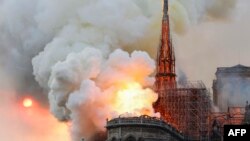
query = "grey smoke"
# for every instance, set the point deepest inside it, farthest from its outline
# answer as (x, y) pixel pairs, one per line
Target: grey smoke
(181, 76)
(235, 91)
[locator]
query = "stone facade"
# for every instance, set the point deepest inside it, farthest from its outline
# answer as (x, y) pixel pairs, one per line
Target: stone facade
(231, 87)
(143, 128)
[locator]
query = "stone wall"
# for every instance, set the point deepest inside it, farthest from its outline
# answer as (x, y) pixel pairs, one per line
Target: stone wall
(142, 128)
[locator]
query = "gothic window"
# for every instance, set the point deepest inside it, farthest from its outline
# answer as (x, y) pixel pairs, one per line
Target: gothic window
(114, 139)
(130, 138)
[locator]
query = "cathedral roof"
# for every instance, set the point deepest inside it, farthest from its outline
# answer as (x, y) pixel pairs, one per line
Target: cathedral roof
(234, 69)
(240, 66)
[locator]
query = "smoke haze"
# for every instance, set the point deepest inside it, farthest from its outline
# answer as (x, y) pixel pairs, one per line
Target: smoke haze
(81, 53)
(234, 92)
(28, 124)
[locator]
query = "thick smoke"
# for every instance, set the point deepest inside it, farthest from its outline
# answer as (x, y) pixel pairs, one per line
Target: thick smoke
(88, 88)
(74, 50)
(185, 13)
(28, 26)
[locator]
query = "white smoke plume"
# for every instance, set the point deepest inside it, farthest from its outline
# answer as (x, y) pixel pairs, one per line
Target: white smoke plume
(185, 13)
(74, 48)
(88, 88)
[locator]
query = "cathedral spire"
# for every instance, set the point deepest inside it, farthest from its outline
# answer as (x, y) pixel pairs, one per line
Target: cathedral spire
(165, 76)
(165, 10)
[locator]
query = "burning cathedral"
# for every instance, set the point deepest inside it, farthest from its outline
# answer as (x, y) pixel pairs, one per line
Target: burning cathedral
(184, 108)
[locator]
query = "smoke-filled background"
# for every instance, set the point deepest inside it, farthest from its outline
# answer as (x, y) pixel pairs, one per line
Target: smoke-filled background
(233, 90)
(88, 60)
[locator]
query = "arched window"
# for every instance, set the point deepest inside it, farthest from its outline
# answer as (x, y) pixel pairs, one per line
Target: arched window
(140, 139)
(130, 138)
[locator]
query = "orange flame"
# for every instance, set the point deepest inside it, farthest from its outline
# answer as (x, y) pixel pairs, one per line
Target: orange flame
(135, 100)
(27, 102)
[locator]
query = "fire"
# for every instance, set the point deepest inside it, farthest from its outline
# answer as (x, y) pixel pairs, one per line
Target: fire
(135, 100)
(27, 102)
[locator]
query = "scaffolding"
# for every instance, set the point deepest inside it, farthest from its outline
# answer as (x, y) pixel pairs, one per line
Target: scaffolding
(187, 108)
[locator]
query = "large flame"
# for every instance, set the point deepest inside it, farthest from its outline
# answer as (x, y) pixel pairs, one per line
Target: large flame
(89, 87)
(134, 99)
